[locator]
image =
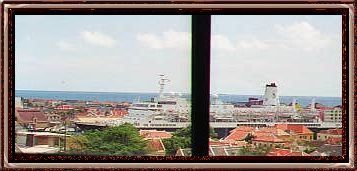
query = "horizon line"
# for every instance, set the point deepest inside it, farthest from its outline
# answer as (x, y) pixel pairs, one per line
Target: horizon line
(171, 92)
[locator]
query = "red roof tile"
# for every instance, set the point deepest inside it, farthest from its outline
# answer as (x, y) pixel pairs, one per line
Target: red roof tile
(155, 134)
(119, 113)
(334, 141)
(243, 128)
(332, 131)
(299, 129)
(229, 142)
(286, 152)
(273, 130)
(225, 142)
(155, 144)
(28, 115)
(237, 135)
(269, 138)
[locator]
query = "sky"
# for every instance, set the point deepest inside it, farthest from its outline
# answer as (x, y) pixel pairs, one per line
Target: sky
(301, 54)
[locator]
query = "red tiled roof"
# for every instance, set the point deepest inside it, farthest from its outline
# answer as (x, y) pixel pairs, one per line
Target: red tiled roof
(230, 142)
(279, 152)
(332, 131)
(225, 142)
(334, 141)
(273, 130)
(269, 138)
(243, 128)
(155, 144)
(239, 144)
(259, 133)
(286, 152)
(237, 135)
(155, 134)
(28, 115)
(299, 129)
(119, 113)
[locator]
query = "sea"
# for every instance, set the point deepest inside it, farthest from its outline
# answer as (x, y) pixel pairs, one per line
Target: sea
(133, 97)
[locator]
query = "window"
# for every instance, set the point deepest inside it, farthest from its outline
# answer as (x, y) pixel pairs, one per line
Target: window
(92, 64)
(256, 63)
(201, 66)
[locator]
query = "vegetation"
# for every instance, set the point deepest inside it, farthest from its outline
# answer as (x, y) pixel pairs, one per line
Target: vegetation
(309, 150)
(314, 136)
(249, 151)
(249, 138)
(213, 134)
(123, 140)
(180, 139)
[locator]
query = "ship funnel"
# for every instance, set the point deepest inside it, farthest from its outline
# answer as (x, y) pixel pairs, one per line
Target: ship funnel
(271, 95)
(313, 109)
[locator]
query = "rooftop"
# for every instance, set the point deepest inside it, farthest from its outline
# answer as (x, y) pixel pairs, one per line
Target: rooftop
(38, 149)
(28, 115)
(156, 145)
(332, 131)
(298, 129)
(155, 134)
(268, 138)
(237, 135)
(286, 152)
(40, 133)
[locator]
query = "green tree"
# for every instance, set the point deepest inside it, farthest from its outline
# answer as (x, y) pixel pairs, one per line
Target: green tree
(123, 140)
(309, 150)
(182, 139)
(249, 151)
(213, 134)
(249, 138)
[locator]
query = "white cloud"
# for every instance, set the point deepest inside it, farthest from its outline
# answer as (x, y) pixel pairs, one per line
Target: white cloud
(97, 38)
(289, 55)
(303, 35)
(298, 36)
(252, 43)
(222, 42)
(167, 40)
(65, 45)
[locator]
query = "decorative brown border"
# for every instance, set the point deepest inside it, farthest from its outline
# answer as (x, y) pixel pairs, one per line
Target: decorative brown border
(30, 158)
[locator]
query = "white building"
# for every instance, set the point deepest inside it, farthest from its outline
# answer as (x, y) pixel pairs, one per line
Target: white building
(19, 102)
(271, 97)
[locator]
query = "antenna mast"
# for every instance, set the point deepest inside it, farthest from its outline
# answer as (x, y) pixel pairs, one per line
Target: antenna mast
(162, 83)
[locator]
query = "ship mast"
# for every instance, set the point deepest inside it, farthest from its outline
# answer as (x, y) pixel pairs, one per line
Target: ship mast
(162, 83)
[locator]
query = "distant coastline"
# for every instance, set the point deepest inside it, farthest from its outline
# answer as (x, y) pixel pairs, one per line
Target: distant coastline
(131, 97)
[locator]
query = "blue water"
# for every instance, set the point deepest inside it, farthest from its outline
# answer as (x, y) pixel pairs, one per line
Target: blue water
(131, 97)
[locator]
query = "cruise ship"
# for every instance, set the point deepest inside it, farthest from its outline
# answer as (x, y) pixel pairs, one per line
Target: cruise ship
(173, 111)
(165, 108)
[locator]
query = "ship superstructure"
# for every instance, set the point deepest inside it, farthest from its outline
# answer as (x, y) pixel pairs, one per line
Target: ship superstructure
(164, 108)
(171, 110)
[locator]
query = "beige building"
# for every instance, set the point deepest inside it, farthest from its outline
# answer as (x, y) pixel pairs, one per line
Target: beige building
(329, 134)
(19, 102)
(333, 115)
(31, 139)
(31, 118)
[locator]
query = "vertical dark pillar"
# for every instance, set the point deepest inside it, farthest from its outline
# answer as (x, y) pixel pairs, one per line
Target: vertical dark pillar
(201, 32)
